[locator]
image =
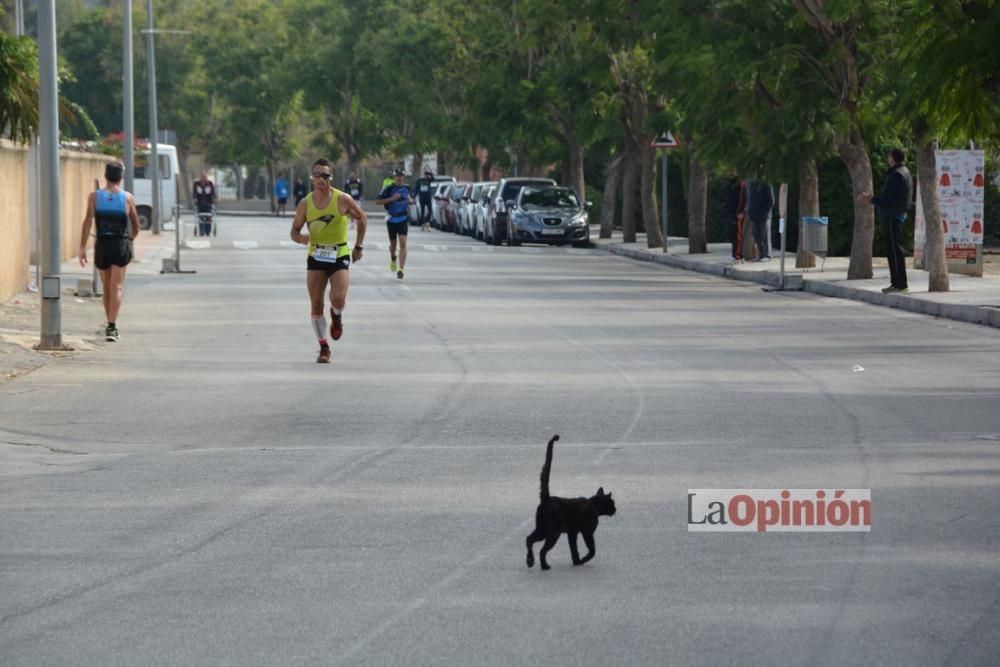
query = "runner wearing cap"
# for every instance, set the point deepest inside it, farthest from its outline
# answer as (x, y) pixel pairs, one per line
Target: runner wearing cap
(396, 199)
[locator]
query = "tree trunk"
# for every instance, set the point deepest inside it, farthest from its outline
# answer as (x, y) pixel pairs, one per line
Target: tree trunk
(697, 205)
(854, 153)
(238, 179)
(808, 206)
(934, 259)
(631, 171)
(270, 186)
(576, 168)
(650, 213)
(609, 199)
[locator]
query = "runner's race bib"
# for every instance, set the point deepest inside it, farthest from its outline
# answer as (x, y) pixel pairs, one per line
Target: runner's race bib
(325, 253)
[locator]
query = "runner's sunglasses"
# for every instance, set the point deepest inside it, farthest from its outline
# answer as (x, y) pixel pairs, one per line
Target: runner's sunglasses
(324, 176)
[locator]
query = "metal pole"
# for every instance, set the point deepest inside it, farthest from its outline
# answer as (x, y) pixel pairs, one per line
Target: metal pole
(782, 211)
(154, 167)
(128, 98)
(48, 111)
(663, 188)
(18, 17)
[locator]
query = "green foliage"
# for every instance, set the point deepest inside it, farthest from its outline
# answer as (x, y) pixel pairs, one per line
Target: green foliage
(18, 87)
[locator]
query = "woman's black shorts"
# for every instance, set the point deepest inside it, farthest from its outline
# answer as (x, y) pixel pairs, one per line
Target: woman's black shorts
(112, 251)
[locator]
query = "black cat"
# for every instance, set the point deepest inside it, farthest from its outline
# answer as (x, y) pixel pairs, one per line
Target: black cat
(555, 516)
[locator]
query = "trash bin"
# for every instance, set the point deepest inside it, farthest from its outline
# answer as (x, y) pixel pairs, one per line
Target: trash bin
(814, 235)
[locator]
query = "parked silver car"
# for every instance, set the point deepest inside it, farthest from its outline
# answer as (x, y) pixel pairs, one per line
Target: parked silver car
(549, 214)
(481, 208)
(438, 201)
(507, 190)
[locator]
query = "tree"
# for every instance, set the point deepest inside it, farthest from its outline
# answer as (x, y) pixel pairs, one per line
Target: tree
(853, 36)
(18, 88)
(951, 69)
(331, 72)
(255, 94)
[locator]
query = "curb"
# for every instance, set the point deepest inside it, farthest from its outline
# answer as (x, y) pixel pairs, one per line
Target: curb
(973, 314)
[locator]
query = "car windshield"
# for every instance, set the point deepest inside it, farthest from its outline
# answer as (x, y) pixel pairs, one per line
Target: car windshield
(549, 198)
(511, 190)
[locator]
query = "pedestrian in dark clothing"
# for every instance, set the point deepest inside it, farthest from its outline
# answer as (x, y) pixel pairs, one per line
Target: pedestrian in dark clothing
(736, 203)
(299, 191)
(760, 202)
(422, 187)
(354, 187)
(893, 203)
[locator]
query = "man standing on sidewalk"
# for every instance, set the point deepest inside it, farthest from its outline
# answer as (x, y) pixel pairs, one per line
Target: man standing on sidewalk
(325, 212)
(760, 201)
(893, 204)
(736, 204)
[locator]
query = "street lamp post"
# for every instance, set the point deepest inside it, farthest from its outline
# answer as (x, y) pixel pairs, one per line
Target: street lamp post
(154, 130)
(128, 114)
(48, 112)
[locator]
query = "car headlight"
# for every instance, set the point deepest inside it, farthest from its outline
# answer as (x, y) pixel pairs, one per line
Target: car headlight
(581, 219)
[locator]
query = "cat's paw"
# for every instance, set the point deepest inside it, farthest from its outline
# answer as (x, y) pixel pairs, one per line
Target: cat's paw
(531, 560)
(546, 566)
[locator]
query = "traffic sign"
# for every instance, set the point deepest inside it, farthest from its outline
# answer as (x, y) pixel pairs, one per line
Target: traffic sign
(666, 140)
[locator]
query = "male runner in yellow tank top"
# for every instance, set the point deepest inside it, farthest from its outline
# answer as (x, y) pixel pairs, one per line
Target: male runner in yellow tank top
(325, 213)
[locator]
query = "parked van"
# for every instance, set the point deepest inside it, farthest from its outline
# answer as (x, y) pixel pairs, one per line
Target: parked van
(142, 188)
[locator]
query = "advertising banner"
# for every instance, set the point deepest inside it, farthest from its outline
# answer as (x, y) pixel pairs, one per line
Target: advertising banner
(961, 181)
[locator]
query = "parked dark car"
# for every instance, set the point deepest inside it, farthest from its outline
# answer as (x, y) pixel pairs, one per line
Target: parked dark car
(507, 190)
(548, 214)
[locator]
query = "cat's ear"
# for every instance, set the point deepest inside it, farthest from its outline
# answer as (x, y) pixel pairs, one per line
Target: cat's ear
(600, 491)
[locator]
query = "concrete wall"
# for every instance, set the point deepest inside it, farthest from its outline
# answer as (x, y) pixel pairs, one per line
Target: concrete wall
(14, 250)
(77, 172)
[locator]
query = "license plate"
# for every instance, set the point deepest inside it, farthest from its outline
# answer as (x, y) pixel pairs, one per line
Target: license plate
(552, 232)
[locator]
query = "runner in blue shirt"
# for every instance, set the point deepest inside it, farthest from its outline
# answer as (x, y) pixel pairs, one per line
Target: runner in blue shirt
(397, 199)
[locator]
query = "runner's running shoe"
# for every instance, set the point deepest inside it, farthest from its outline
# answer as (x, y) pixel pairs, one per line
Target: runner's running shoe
(399, 274)
(111, 333)
(392, 265)
(324, 355)
(336, 325)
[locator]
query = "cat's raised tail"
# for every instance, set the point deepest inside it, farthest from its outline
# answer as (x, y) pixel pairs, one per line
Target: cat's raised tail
(546, 469)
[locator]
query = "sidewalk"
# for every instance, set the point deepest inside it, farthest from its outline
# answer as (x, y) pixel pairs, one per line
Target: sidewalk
(81, 318)
(975, 300)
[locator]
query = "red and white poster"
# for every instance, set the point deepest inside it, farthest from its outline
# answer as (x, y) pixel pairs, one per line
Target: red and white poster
(961, 180)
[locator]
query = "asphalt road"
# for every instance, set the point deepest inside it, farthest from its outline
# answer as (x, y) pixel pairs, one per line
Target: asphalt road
(202, 492)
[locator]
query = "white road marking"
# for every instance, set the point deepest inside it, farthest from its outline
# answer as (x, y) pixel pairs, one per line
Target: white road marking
(198, 245)
(245, 245)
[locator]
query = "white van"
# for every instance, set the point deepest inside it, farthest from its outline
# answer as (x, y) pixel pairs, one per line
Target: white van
(142, 186)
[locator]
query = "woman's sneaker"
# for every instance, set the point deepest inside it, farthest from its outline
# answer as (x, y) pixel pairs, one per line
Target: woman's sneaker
(324, 355)
(111, 333)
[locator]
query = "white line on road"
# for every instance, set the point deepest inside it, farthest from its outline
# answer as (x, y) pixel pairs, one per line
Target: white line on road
(245, 245)
(197, 245)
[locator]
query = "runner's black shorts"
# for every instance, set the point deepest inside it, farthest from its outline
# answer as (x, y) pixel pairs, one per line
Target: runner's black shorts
(329, 268)
(397, 229)
(112, 251)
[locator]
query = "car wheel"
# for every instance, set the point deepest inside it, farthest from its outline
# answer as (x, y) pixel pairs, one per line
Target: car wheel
(511, 241)
(145, 217)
